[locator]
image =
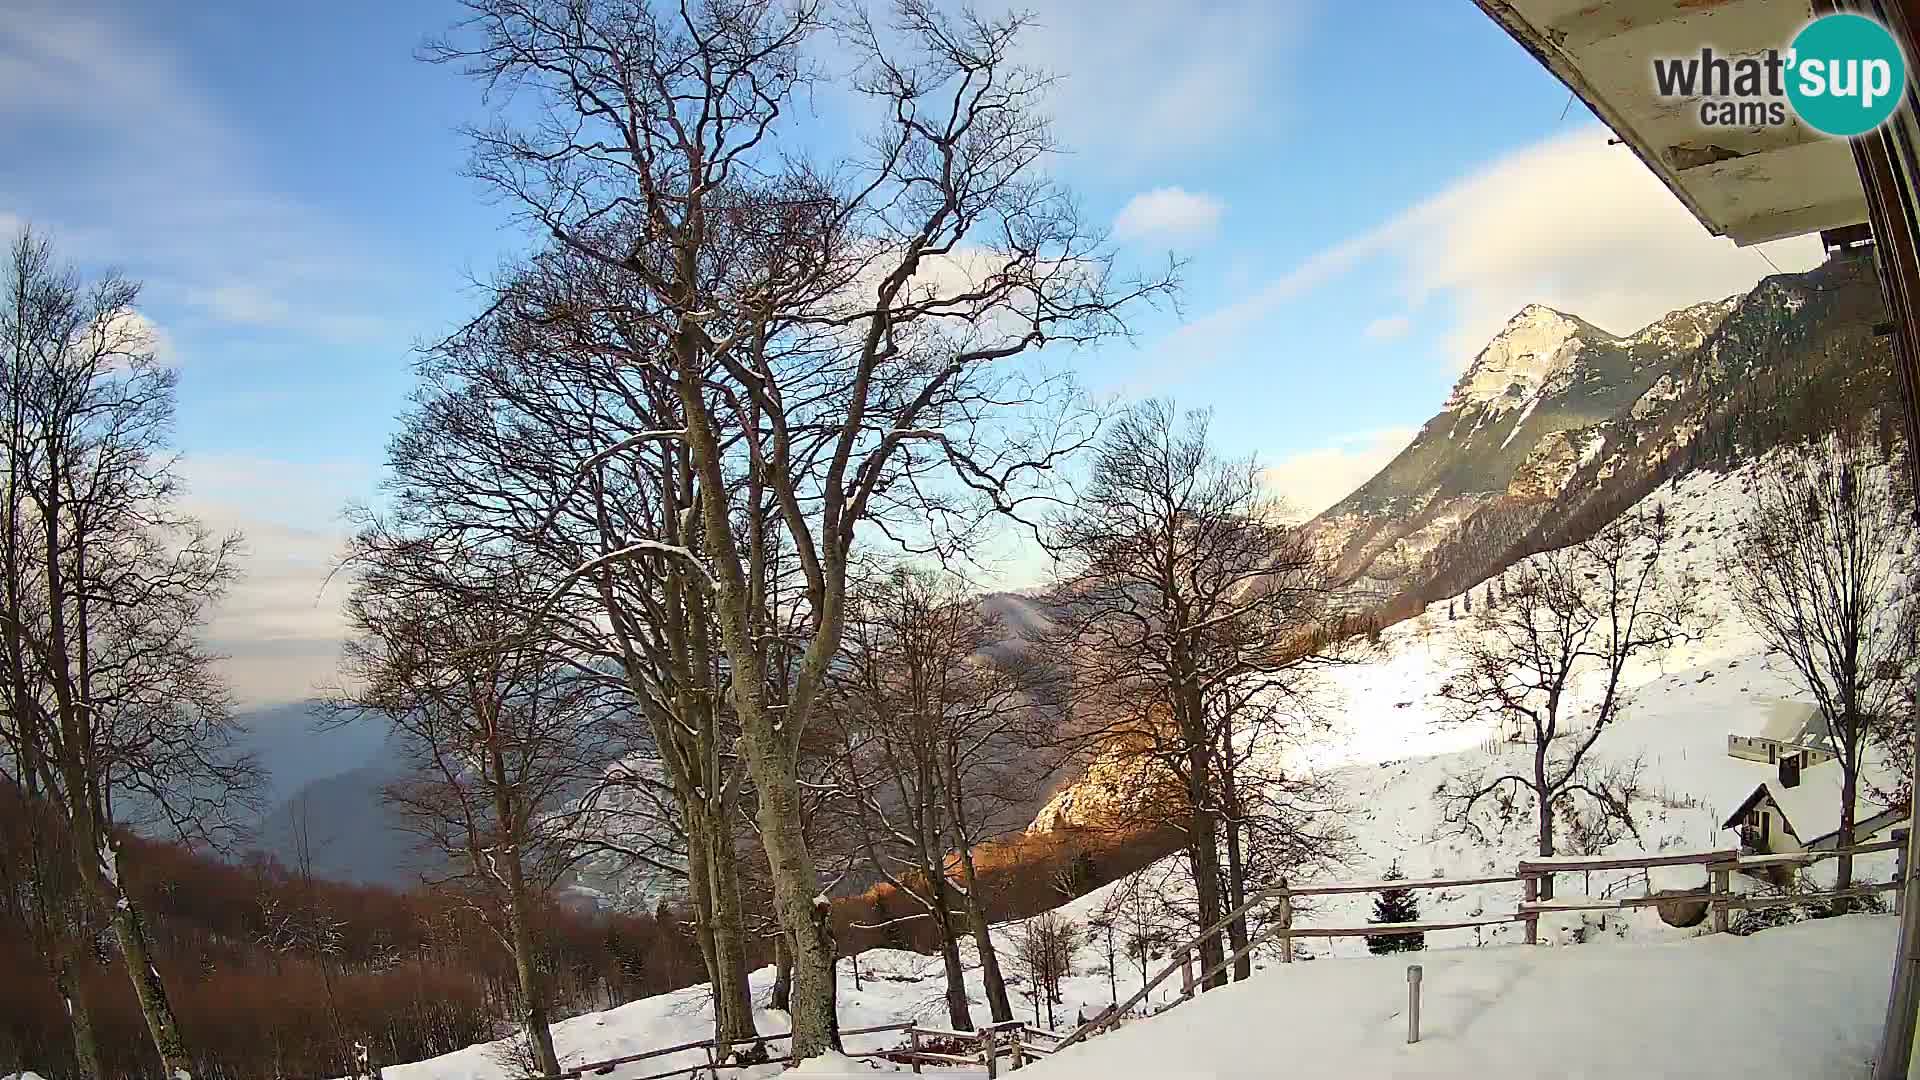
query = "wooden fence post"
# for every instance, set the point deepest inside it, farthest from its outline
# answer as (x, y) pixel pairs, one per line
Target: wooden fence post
(1530, 891)
(913, 1034)
(1186, 973)
(1286, 923)
(1722, 884)
(1018, 1048)
(987, 1055)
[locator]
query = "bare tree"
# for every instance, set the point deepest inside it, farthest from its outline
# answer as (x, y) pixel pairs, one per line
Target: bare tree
(507, 446)
(836, 337)
(308, 926)
(1010, 736)
(496, 735)
(42, 893)
(1276, 820)
(1575, 615)
(1139, 906)
(889, 704)
(1817, 569)
(1044, 947)
(112, 706)
(943, 729)
(1186, 607)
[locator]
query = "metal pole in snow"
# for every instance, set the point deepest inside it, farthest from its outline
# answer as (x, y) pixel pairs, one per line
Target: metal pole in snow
(1413, 1003)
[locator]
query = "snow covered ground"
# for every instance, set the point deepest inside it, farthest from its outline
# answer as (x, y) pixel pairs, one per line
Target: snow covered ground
(1802, 1001)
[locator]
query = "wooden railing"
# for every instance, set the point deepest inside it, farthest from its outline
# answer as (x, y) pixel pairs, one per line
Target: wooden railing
(1532, 874)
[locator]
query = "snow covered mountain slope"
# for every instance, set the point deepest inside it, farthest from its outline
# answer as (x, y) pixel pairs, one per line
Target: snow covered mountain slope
(1392, 743)
(1558, 425)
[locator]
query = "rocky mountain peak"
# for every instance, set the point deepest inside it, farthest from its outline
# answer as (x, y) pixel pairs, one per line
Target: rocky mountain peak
(1535, 345)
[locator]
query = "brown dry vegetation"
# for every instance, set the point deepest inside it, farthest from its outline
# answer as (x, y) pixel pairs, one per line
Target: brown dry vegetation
(413, 974)
(1022, 875)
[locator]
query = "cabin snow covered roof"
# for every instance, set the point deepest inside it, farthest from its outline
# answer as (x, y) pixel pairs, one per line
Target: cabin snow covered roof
(1812, 807)
(1786, 721)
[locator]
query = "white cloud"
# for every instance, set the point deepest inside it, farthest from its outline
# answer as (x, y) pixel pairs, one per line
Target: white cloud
(1312, 480)
(1578, 225)
(1169, 213)
(1387, 328)
(1569, 222)
(1146, 79)
(281, 624)
(248, 305)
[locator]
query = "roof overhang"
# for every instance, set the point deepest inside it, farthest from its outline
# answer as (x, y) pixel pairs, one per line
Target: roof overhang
(1746, 804)
(1752, 184)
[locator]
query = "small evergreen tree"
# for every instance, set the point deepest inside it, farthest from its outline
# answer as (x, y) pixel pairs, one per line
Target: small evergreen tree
(1395, 906)
(1466, 602)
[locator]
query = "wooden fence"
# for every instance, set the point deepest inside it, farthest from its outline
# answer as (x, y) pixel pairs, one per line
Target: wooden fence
(1532, 874)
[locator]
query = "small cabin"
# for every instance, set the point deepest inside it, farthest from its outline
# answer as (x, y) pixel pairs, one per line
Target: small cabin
(1798, 809)
(1785, 729)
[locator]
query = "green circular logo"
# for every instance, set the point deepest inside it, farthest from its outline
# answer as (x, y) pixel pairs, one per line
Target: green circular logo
(1846, 75)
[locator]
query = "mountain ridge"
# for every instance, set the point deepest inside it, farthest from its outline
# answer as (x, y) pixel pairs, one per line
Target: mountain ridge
(1557, 423)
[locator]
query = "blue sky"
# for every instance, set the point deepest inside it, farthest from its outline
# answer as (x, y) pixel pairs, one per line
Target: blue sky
(1365, 193)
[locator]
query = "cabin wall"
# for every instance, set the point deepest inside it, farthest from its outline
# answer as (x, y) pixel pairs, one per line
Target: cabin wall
(1747, 748)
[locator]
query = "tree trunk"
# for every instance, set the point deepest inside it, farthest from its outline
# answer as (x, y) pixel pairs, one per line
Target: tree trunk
(1545, 802)
(700, 898)
(729, 952)
(67, 920)
(1203, 852)
(129, 928)
(804, 912)
(533, 994)
(958, 1013)
(86, 1046)
(1203, 848)
(1849, 790)
(782, 994)
(1237, 896)
(999, 1005)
